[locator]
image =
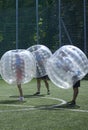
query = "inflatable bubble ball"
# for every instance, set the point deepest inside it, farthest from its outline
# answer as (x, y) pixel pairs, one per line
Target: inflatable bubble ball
(66, 66)
(41, 54)
(17, 66)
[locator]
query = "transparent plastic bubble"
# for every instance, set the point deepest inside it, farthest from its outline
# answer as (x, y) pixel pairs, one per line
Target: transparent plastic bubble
(66, 66)
(41, 54)
(17, 66)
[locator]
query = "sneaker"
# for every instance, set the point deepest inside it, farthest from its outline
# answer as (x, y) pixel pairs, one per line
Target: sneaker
(37, 93)
(72, 103)
(21, 98)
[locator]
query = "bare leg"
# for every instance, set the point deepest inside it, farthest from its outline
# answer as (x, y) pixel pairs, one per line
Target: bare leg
(20, 92)
(47, 86)
(38, 85)
(75, 93)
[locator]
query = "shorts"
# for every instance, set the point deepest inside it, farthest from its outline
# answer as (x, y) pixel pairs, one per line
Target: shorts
(44, 77)
(77, 84)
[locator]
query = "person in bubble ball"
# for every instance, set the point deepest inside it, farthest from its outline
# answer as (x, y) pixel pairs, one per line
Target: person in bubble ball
(76, 82)
(39, 80)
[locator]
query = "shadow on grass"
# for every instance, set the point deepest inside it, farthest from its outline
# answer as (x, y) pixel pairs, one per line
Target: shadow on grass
(11, 102)
(29, 96)
(41, 107)
(56, 107)
(67, 106)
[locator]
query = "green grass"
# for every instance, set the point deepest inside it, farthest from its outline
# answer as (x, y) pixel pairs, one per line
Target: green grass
(37, 113)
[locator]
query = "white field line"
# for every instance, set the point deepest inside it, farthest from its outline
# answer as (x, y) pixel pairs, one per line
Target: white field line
(13, 105)
(16, 105)
(28, 108)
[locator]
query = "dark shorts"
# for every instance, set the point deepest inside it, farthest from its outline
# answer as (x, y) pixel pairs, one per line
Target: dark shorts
(44, 77)
(77, 84)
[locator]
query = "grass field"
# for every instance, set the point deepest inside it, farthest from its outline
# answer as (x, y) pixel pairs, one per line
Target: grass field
(44, 112)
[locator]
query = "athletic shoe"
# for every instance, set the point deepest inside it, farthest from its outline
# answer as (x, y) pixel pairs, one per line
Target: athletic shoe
(21, 98)
(37, 93)
(71, 103)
